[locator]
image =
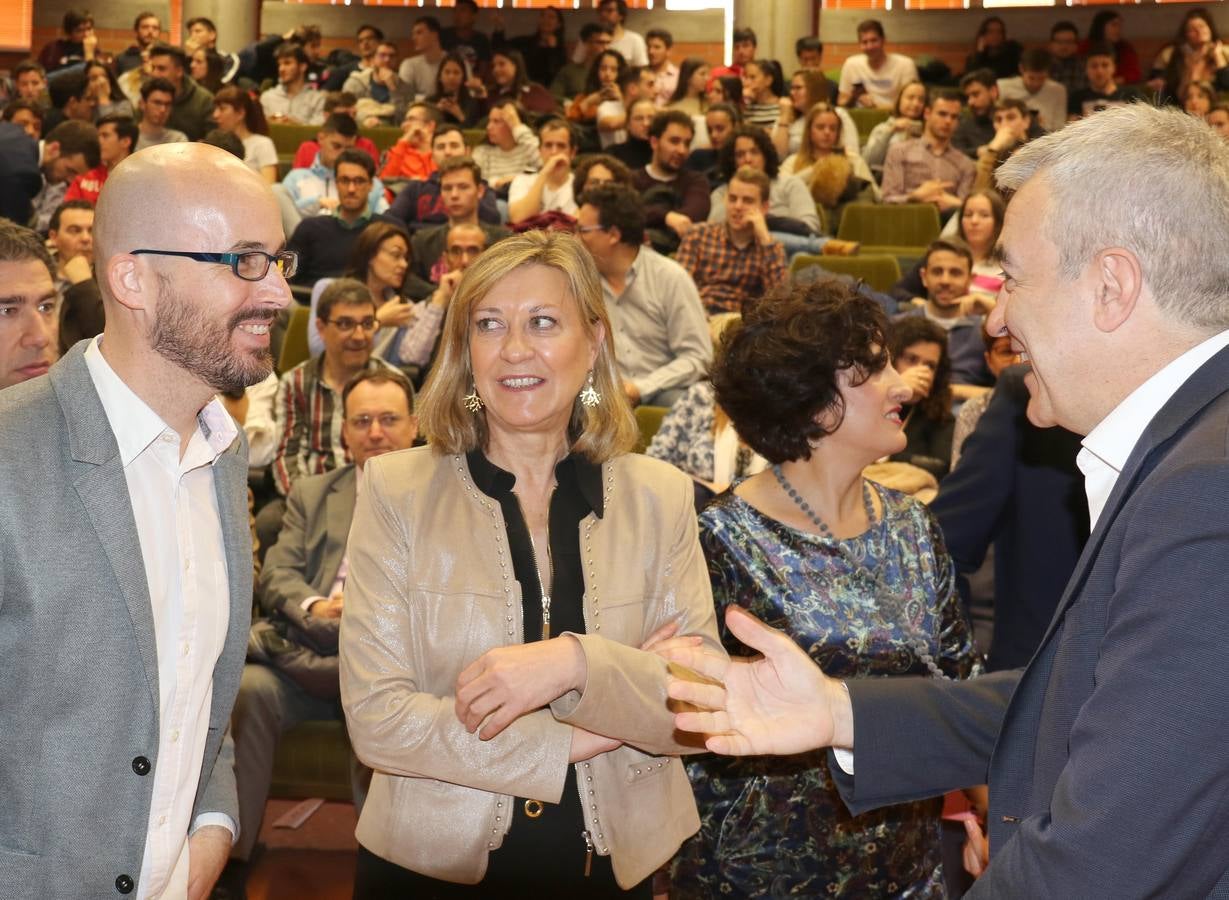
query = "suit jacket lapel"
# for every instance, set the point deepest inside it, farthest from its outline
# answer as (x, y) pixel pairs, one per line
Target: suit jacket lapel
(103, 489)
(339, 512)
(1209, 382)
(230, 485)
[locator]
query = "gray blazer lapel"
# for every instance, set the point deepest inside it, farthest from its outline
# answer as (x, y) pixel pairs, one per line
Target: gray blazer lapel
(230, 472)
(103, 490)
(339, 512)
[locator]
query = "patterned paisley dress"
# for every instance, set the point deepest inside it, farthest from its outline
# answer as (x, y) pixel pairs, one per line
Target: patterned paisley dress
(863, 607)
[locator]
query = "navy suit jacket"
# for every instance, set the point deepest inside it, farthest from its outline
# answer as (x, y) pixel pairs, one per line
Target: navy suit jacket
(20, 179)
(1016, 486)
(1108, 757)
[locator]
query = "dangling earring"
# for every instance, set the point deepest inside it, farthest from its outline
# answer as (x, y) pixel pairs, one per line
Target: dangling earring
(472, 401)
(589, 396)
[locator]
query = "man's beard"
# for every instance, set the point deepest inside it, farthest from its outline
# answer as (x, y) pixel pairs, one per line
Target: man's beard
(187, 337)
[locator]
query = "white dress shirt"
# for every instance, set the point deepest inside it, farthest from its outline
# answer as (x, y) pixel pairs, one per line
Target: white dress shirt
(180, 532)
(1108, 446)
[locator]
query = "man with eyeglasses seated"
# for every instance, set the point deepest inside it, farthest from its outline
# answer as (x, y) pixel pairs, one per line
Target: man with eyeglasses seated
(302, 594)
(324, 242)
(461, 192)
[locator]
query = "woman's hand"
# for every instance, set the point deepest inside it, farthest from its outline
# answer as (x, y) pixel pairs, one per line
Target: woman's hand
(976, 854)
(586, 745)
(395, 314)
(919, 378)
(505, 683)
(902, 123)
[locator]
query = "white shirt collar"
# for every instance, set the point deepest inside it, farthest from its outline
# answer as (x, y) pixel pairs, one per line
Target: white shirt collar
(135, 425)
(1108, 446)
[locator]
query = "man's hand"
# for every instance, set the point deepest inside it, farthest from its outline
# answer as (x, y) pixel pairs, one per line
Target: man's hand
(328, 609)
(329, 203)
(89, 44)
(788, 114)
(386, 77)
(207, 853)
(756, 220)
(930, 191)
(631, 392)
(780, 703)
(976, 305)
(558, 164)
(678, 223)
(77, 269)
(511, 116)
(448, 287)
(505, 683)
(394, 314)
(919, 379)
(976, 854)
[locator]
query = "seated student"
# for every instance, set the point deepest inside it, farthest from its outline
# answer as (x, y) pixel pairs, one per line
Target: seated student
(599, 168)
(745, 44)
(720, 121)
(1011, 132)
(993, 51)
(380, 259)
(419, 70)
(342, 103)
(27, 115)
(419, 204)
(998, 355)
(411, 157)
(71, 100)
(792, 217)
(636, 152)
(763, 85)
(1103, 90)
(600, 106)
(981, 91)
(550, 188)
(461, 190)
(292, 99)
(28, 325)
(510, 81)
(324, 242)
(904, 124)
(71, 239)
(918, 347)
(380, 96)
(109, 99)
(1066, 67)
(30, 82)
(193, 107)
(236, 112)
(1218, 118)
(1198, 98)
(462, 39)
(660, 333)
(735, 261)
(367, 41)
(571, 79)
(76, 43)
(807, 87)
(157, 99)
(313, 190)
(946, 274)
(832, 173)
(70, 149)
(117, 139)
(929, 169)
(658, 42)
(291, 675)
(452, 97)
(675, 197)
(1042, 95)
(510, 147)
(874, 77)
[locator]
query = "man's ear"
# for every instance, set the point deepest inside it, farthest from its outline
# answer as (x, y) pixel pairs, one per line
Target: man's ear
(1119, 282)
(130, 282)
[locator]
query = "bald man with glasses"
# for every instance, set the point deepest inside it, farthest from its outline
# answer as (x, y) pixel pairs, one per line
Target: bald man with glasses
(125, 573)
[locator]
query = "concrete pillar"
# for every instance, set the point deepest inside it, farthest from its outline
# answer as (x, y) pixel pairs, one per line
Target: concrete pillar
(777, 24)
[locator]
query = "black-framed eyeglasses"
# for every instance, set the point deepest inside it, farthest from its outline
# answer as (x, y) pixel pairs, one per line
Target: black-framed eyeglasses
(346, 325)
(250, 265)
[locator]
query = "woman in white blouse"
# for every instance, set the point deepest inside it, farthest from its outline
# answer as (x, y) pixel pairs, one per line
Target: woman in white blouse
(235, 111)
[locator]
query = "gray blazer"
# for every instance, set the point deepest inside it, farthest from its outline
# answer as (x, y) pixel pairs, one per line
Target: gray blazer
(307, 556)
(79, 710)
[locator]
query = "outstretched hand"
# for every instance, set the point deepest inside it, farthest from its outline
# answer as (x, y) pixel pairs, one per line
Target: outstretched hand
(779, 703)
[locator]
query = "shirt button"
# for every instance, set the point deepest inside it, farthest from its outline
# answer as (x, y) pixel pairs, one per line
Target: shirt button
(175, 736)
(162, 820)
(187, 648)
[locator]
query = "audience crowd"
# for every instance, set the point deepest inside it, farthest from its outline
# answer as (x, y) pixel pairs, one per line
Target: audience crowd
(697, 192)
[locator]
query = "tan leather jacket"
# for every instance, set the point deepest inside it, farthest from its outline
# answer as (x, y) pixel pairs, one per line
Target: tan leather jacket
(430, 589)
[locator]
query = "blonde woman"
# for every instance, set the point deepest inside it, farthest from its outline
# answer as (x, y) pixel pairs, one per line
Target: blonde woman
(511, 588)
(833, 174)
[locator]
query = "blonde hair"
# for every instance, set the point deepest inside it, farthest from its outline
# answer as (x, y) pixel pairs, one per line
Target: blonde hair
(599, 432)
(806, 151)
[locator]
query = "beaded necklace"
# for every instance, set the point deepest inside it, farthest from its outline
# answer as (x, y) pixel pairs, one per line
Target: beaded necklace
(895, 600)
